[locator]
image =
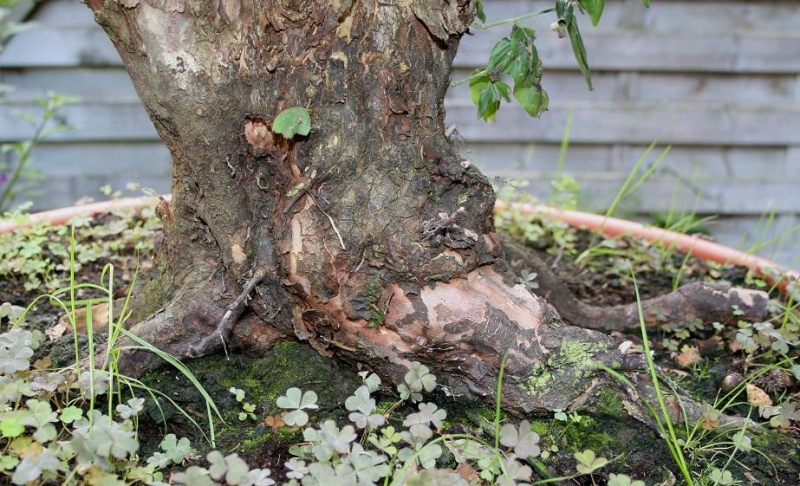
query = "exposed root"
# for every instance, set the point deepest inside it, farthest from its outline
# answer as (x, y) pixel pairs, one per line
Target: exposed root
(179, 327)
(703, 301)
(700, 301)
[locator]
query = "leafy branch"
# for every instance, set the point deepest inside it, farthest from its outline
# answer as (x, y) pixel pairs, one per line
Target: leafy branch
(516, 56)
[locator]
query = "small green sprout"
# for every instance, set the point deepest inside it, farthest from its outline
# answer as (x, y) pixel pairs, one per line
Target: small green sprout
(292, 121)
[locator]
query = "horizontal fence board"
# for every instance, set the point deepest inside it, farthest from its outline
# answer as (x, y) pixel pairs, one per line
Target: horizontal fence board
(538, 157)
(667, 15)
(621, 123)
(732, 90)
(696, 162)
(775, 240)
(61, 192)
(63, 13)
(653, 51)
(717, 196)
(91, 122)
(58, 46)
(95, 85)
(681, 163)
(61, 160)
(721, 16)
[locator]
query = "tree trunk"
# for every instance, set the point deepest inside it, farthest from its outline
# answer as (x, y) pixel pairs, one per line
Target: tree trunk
(369, 238)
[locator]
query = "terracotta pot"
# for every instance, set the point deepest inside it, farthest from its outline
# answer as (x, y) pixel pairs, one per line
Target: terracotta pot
(774, 274)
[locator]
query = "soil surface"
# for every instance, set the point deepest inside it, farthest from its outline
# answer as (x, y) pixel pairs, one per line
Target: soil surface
(700, 357)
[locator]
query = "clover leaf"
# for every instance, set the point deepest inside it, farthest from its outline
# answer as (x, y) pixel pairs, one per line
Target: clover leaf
(297, 400)
(419, 378)
(524, 441)
(588, 462)
(428, 413)
(623, 480)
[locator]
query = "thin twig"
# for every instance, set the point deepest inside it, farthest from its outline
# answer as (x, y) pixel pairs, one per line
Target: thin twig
(235, 309)
(333, 225)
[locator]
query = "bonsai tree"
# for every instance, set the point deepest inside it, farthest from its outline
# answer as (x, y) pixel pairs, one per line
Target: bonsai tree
(316, 196)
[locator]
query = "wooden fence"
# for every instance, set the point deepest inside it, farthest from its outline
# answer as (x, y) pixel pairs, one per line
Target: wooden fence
(718, 81)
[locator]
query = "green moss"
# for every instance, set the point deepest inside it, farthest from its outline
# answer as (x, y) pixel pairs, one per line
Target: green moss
(264, 379)
(488, 413)
(578, 354)
(541, 427)
(609, 403)
(574, 355)
(538, 381)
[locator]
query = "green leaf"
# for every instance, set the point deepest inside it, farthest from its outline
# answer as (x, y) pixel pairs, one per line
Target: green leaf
(7, 463)
(217, 464)
(623, 480)
(11, 427)
(588, 462)
(309, 400)
(502, 53)
(419, 377)
(33, 465)
(291, 399)
(594, 8)
(194, 476)
(479, 11)
(561, 9)
(292, 121)
(531, 98)
(296, 417)
(646, 3)
(578, 49)
(238, 393)
(503, 90)
(489, 102)
(237, 469)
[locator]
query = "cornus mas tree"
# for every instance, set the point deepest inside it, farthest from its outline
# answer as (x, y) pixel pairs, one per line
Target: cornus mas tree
(365, 236)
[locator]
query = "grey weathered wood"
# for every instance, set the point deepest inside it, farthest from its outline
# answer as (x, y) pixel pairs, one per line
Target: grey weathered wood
(718, 196)
(50, 45)
(746, 89)
(95, 85)
(668, 15)
(640, 123)
(732, 162)
(538, 158)
(104, 159)
(776, 239)
(63, 13)
(681, 162)
(100, 122)
(653, 51)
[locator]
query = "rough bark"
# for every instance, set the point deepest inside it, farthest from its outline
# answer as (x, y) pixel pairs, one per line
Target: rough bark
(369, 238)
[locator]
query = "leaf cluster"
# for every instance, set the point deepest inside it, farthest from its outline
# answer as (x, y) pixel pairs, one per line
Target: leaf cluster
(516, 57)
